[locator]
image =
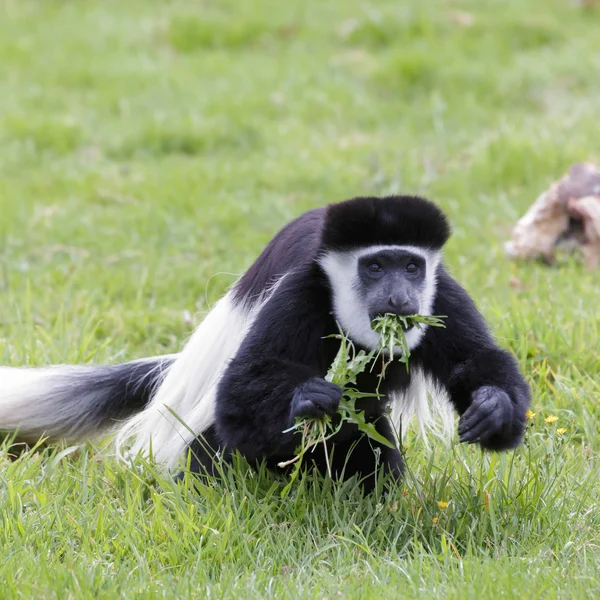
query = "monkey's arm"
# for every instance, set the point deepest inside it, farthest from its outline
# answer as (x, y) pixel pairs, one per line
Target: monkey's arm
(277, 373)
(483, 380)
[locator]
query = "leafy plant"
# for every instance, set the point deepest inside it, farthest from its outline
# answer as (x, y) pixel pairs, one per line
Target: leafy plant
(392, 331)
(346, 367)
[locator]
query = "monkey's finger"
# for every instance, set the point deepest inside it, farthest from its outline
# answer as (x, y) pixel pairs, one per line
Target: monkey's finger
(324, 401)
(320, 386)
(332, 387)
(306, 408)
(482, 431)
(476, 412)
(324, 394)
(484, 428)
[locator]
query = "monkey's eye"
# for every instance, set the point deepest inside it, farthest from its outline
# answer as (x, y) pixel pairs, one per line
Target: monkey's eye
(411, 268)
(374, 267)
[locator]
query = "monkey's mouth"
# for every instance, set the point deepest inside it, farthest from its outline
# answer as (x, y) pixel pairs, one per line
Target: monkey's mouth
(402, 322)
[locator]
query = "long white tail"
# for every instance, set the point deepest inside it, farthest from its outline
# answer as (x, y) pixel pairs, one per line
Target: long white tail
(76, 402)
(139, 399)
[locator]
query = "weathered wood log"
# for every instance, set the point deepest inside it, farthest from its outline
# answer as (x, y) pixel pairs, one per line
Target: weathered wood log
(567, 215)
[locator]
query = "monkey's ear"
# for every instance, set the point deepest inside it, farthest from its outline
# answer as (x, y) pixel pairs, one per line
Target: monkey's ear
(393, 220)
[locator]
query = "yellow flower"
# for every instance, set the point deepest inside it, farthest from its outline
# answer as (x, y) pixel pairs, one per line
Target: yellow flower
(442, 504)
(435, 520)
(551, 419)
(530, 414)
(561, 430)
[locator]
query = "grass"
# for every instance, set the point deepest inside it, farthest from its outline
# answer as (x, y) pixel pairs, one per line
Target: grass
(148, 150)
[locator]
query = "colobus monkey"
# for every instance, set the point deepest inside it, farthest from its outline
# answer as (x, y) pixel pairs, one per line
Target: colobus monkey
(259, 358)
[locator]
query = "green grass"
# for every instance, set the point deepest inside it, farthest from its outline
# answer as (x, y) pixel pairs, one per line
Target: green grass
(148, 150)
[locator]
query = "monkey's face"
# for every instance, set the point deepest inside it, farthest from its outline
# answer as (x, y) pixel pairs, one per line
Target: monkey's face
(371, 281)
(391, 281)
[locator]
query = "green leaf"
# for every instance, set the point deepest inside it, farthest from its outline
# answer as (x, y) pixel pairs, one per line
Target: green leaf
(347, 365)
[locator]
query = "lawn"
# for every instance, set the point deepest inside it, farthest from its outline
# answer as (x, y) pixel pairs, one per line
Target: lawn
(148, 150)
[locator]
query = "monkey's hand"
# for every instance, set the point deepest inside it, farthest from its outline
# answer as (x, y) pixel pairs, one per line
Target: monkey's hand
(316, 398)
(490, 414)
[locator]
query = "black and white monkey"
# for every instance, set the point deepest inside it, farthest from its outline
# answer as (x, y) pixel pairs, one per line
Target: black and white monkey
(259, 358)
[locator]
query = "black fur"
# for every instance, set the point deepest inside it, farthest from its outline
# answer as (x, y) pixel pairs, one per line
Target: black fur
(125, 389)
(277, 373)
(395, 220)
(295, 246)
(483, 381)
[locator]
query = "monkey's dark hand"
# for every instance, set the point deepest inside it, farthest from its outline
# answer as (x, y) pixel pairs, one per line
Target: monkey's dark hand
(490, 413)
(316, 398)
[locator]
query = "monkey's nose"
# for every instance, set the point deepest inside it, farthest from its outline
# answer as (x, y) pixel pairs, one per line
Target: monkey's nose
(401, 304)
(398, 301)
